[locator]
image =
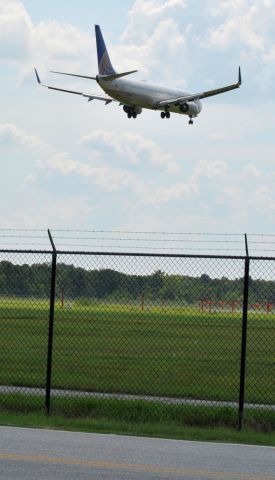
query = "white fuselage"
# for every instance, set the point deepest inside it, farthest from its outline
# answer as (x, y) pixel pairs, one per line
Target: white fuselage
(143, 94)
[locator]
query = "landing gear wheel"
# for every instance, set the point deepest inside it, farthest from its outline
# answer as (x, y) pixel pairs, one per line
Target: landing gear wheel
(191, 121)
(163, 114)
(129, 115)
(134, 115)
(167, 115)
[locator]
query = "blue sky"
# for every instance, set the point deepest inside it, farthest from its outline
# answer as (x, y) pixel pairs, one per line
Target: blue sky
(67, 163)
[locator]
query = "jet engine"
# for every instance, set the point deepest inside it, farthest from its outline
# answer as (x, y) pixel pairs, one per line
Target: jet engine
(191, 108)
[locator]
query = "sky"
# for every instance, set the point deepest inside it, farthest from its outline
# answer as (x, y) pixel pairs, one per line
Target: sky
(70, 164)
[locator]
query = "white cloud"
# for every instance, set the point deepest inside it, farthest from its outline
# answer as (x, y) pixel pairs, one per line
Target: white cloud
(116, 154)
(227, 123)
(107, 178)
(269, 56)
(259, 201)
(178, 191)
(131, 148)
(58, 211)
(152, 34)
(211, 184)
(165, 41)
(245, 24)
(46, 43)
(145, 16)
(30, 179)
(111, 179)
(252, 171)
(134, 149)
(15, 30)
(210, 169)
(190, 188)
(13, 137)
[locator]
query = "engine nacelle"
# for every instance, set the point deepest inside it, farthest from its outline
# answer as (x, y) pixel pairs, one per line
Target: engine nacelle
(184, 107)
(138, 110)
(191, 108)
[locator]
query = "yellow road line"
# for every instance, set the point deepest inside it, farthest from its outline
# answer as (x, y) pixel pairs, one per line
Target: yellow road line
(205, 474)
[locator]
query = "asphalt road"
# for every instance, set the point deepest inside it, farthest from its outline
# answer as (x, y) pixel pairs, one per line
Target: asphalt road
(45, 454)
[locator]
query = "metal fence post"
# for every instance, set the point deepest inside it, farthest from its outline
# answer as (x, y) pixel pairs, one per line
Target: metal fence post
(51, 324)
(244, 337)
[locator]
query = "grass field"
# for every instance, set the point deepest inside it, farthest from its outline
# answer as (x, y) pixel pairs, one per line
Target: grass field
(161, 429)
(176, 352)
(136, 417)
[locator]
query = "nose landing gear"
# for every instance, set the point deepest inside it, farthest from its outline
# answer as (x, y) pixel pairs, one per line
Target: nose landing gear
(191, 121)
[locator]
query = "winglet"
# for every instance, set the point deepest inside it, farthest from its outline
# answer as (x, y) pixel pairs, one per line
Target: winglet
(240, 77)
(37, 76)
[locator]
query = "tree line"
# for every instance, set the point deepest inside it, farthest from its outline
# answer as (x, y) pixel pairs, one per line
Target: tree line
(76, 282)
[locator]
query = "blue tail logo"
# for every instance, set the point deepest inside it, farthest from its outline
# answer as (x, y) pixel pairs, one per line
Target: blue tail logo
(104, 63)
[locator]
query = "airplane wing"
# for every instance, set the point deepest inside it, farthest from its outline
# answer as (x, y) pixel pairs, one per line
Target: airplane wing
(199, 96)
(90, 97)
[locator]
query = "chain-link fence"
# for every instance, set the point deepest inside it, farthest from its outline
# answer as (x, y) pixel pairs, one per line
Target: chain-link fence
(260, 372)
(179, 335)
(25, 281)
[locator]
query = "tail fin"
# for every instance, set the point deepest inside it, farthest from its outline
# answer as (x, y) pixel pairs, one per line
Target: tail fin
(104, 64)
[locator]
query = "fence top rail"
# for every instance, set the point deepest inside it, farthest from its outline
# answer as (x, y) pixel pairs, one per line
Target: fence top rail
(16, 250)
(254, 257)
(138, 254)
(153, 254)
(123, 254)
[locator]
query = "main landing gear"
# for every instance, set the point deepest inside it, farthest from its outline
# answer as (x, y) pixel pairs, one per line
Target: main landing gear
(166, 113)
(132, 112)
(191, 121)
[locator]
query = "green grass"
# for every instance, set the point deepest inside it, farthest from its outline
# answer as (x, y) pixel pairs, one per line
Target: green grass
(173, 351)
(156, 430)
(140, 420)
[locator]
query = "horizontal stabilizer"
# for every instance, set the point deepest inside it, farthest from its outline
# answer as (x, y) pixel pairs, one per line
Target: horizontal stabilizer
(116, 75)
(104, 77)
(74, 75)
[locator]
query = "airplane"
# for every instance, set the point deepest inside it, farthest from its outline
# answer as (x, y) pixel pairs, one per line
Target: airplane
(136, 95)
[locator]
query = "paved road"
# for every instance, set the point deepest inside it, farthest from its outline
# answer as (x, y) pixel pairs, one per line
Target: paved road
(30, 454)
